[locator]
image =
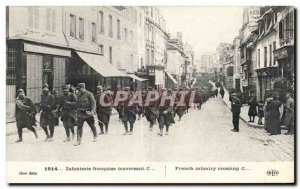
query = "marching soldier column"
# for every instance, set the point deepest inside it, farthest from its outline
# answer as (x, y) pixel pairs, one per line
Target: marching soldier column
(77, 106)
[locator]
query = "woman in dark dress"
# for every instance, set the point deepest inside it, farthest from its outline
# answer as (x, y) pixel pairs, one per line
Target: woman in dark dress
(273, 118)
(260, 112)
(252, 109)
(222, 92)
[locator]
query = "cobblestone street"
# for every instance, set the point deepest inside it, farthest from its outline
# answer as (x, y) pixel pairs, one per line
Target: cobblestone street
(201, 135)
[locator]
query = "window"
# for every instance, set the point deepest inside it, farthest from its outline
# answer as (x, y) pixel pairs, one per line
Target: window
(51, 20)
(140, 19)
(152, 57)
(110, 55)
(148, 57)
(265, 56)
(281, 29)
(110, 33)
(12, 55)
(93, 32)
(142, 63)
(101, 49)
(101, 22)
(290, 24)
(274, 48)
(131, 36)
(118, 29)
(125, 35)
(72, 25)
(270, 51)
(258, 58)
(81, 28)
(34, 17)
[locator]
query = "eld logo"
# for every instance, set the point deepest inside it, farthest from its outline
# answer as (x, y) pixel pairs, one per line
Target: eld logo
(272, 172)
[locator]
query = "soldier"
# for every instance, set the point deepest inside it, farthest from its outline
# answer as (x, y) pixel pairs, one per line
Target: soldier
(86, 109)
(236, 110)
(118, 106)
(128, 112)
(48, 108)
(150, 110)
(57, 104)
(165, 112)
(179, 109)
(187, 100)
(25, 114)
(68, 111)
(103, 108)
(197, 99)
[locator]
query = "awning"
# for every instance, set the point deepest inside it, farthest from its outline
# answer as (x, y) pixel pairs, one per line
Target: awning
(97, 62)
(46, 50)
(136, 77)
(171, 77)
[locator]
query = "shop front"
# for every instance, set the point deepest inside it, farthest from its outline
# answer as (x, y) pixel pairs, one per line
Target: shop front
(285, 58)
(93, 70)
(30, 65)
(266, 79)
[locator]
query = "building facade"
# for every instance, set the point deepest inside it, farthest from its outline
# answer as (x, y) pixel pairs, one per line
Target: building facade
(156, 39)
(58, 45)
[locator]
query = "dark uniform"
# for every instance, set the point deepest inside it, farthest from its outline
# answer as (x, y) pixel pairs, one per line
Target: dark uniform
(179, 109)
(86, 108)
(103, 111)
(25, 114)
(151, 111)
(128, 112)
(187, 100)
(236, 110)
(48, 108)
(197, 99)
(222, 92)
(165, 113)
(57, 104)
(67, 111)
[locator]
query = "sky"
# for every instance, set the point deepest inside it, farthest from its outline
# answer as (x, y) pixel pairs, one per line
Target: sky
(204, 27)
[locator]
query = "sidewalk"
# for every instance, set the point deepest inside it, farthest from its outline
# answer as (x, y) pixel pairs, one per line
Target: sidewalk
(244, 113)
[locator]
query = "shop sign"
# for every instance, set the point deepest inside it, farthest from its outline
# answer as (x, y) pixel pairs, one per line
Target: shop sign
(280, 54)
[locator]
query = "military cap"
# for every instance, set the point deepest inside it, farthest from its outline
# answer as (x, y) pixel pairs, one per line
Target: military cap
(45, 88)
(233, 94)
(81, 85)
(99, 87)
(20, 90)
(126, 88)
(46, 85)
(65, 87)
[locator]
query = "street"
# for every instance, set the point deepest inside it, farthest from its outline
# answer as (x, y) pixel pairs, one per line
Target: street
(201, 135)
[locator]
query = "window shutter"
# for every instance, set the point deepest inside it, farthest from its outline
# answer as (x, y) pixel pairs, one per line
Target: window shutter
(53, 20)
(48, 17)
(280, 30)
(36, 17)
(30, 18)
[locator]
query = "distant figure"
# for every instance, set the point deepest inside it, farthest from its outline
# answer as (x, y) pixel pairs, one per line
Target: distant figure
(289, 114)
(236, 110)
(260, 112)
(273, 118)
(252, 112)
(222, 92)
(216, 92)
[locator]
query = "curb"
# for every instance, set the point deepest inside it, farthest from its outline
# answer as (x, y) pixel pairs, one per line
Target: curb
(250, 125)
